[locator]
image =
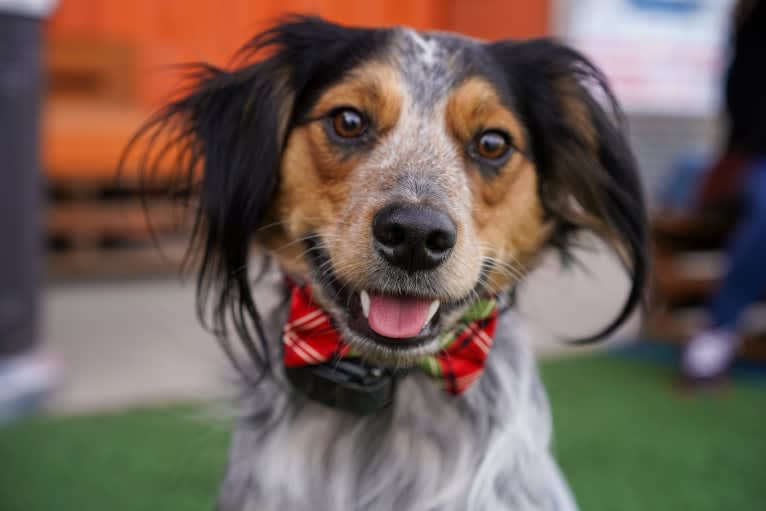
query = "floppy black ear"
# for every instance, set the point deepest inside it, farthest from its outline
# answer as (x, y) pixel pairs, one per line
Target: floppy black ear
(225, 135)
(224, 138)
(588, 175)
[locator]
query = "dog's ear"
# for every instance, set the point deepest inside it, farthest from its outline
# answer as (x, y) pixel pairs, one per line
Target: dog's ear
(222, 138)
(225, 135)
(588, 175)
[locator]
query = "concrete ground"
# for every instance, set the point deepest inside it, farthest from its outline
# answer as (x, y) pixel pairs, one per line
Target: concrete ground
(128, 343)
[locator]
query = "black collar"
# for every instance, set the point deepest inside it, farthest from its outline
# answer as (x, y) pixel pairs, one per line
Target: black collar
(349, 384)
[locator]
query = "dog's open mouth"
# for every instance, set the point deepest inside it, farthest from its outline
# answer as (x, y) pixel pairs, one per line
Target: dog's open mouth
(396, 321)
(399, 322)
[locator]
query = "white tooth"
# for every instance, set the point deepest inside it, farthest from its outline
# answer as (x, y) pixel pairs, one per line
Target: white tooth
(365, 299)
(432, 310)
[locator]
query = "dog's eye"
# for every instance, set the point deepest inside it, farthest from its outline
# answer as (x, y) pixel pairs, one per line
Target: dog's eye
(493, 145)
(348, 123)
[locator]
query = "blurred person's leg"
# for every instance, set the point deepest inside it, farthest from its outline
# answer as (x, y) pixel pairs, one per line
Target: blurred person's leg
(710, 353)
(24, 374)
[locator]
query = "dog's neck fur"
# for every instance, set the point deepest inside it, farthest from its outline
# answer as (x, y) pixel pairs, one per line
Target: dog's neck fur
(484, 450)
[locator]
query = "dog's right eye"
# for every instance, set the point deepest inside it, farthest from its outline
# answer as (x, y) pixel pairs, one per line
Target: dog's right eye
(348, 123)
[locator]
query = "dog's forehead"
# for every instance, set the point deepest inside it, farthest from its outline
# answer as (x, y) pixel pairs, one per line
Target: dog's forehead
(431, 63)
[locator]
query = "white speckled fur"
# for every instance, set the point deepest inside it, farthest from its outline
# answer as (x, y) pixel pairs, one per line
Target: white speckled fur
(487, 450)
(430, 48)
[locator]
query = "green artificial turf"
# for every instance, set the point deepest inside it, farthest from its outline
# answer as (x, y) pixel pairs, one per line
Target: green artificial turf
(625, 438)
(160, 459)
(628, 439)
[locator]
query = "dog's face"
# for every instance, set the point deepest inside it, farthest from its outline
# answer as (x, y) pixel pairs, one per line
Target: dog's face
(404, 173)
(412, 178)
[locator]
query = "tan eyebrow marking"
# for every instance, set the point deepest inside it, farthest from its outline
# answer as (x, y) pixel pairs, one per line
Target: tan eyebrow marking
(375, 88)
(474, 105)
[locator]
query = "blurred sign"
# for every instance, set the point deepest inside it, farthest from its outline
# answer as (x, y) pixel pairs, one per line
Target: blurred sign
(662, 56)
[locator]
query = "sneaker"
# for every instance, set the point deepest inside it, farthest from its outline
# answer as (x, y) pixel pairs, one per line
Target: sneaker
(709, 354)
(25, 381)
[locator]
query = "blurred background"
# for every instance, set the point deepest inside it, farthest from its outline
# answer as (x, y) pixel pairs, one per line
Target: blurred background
(131, 385)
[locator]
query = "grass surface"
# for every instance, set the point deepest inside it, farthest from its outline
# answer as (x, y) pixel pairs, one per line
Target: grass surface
(625, 439)
(163, 459)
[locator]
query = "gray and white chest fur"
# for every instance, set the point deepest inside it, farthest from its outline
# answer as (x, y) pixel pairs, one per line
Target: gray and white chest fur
(486, 450)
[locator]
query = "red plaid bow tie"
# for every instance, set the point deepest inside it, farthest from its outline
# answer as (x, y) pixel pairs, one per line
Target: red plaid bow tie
(310, 338)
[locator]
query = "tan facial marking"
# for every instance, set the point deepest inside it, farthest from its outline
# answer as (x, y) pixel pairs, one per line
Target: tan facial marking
(512, 222)
(374, 89)
(474, 106)
(315, 173)
(507, 213)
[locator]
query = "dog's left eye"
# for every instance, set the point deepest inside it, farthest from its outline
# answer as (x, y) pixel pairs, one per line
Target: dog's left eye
(348, 123)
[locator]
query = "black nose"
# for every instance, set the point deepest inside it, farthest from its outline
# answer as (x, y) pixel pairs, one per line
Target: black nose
(413, 238)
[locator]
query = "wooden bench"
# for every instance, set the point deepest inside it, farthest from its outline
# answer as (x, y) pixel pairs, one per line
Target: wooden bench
(689, 261)
(97, 224)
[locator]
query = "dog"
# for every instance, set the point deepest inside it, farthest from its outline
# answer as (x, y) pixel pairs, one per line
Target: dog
(404, 182)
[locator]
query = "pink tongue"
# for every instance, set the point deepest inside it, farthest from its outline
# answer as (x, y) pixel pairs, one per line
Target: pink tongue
(397, 317)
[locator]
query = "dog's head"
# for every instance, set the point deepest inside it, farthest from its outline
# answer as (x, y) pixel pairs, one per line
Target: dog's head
(404, 173)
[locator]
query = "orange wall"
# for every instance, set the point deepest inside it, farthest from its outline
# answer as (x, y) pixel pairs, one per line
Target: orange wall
(171, 31)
